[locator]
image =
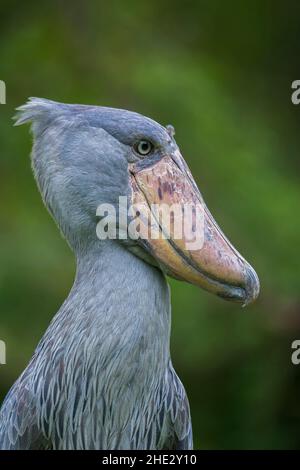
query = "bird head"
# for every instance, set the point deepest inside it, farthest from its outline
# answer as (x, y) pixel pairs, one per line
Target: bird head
(86, 157)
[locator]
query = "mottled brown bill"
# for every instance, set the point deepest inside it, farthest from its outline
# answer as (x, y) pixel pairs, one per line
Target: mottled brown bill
(215, 265)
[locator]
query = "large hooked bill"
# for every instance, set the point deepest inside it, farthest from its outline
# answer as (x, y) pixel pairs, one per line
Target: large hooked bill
(175, 226)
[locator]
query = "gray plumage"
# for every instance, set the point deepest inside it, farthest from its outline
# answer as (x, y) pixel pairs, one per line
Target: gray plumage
(101, 377)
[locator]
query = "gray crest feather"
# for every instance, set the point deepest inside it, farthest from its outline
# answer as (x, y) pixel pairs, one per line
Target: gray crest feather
(35, 108)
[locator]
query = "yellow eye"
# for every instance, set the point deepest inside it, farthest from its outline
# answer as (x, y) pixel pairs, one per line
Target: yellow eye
(143, 147)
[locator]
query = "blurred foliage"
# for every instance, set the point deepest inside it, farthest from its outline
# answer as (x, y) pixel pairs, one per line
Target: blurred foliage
(221, 73)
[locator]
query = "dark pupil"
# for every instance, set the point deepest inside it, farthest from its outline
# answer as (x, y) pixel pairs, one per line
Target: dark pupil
(144, 146)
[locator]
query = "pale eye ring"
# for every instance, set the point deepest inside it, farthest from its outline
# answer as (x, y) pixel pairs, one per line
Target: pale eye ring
(143, 147)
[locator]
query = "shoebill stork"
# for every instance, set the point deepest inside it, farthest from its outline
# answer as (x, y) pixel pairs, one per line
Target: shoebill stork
(102, 377)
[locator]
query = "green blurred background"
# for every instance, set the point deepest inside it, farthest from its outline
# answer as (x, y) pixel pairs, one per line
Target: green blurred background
(221, 73)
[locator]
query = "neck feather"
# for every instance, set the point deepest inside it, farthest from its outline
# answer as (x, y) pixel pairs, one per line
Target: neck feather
(118, 305)
(105, 355)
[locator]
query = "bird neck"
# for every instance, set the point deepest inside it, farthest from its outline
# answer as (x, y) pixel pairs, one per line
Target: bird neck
(118, 305)
(106, 352)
